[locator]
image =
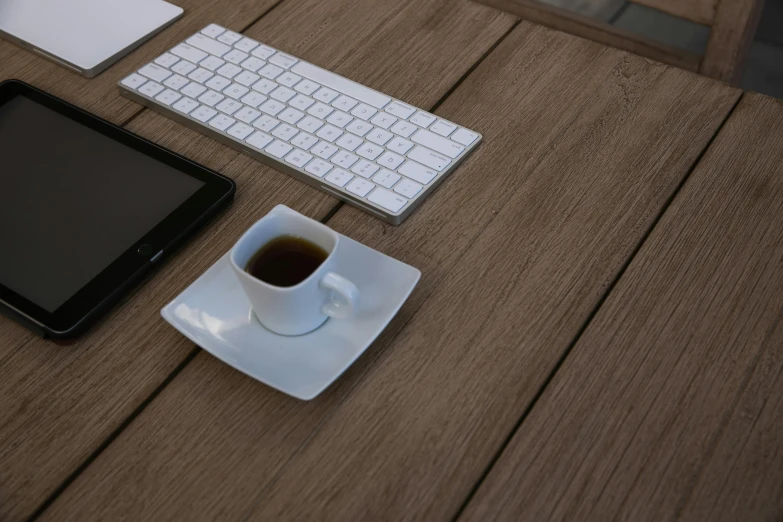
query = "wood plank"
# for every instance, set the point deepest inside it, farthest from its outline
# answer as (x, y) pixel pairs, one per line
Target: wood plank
(699, 11)
(583, 145)
(730, 39)
(82, 393)
(669, 405)
(597, 31)
(100, 95)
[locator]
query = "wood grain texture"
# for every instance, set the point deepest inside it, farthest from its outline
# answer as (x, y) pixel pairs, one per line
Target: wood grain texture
(100, 95)
(450, 37)
(669, 406)
(583, 145)
(563, 20)
(730, 39)
(699, 11)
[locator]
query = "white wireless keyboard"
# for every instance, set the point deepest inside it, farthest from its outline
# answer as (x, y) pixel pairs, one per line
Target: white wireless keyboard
(360, 145)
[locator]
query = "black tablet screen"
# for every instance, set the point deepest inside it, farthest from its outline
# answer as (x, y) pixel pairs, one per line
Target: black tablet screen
(72, 201)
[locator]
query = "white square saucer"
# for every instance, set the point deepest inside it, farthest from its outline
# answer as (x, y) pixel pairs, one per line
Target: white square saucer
(214, 313)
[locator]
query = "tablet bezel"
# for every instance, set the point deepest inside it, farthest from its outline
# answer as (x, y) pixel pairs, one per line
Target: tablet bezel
(78, 311)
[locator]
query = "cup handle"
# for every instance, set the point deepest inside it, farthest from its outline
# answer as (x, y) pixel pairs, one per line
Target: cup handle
(343, 300)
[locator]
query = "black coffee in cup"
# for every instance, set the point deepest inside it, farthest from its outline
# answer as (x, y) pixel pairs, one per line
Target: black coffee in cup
(286, 261)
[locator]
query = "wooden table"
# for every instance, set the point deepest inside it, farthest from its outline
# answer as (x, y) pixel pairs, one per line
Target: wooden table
(597, 334)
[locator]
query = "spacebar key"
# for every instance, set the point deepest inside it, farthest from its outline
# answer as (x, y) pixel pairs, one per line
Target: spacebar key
(344, 85)
(387, 199)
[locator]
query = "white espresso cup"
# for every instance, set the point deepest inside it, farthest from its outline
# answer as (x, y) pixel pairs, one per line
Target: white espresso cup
(298, 309)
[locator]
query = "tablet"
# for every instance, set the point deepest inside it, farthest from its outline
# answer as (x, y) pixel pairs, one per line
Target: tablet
(85, 209)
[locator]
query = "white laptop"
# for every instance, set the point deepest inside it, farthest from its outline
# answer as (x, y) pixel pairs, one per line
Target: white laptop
(84, 35)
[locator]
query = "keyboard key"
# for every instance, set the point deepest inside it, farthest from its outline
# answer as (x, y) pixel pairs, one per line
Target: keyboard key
(221, 122)
(185, 105)
(310, 124)
(407, 188)
(390, 160)
(183, 67)
(189, 53)
(229, 70)
(379, 136)
(464, 137)
(176, 82)
(203, 113)
(155, 72)
(291, 115)
(134, 81)
(213, 30)
(285, 132)
(358, 127)
(365, 168)
(324, 150)
(344, 159)
(338, 177)
(383, 120)
(205, 43)
(438, 144)
(236, 56)
(270, 71)
(443, 127)
(253, 99)
(304, 140)
(228, 106)
(388, 200)
(218, 83)
(266, 123)
(430, 158)
(283, 94)
(283, 60)
(246, 78)
(320, 110)
(211, 63)
(349, 142)
(339, 119)
(404, 128)
(386, 178)
(278, 149)
(307, 87)
(263, 52)
(363, 111)
(193, 89)
(423, 119)
(399, 109)
(246, 45)
(259, 140)
(399, 145)
(253, 64)
(240, 131)
(360, 187)
(329, 133)
(200, 75)
(288, 79)
(272, 107)
(417, 172)
(247, 115)
(344, 103)
(264, 86)
(236, 91)
(301, 102)
(318, 168)
(166, 60)
(343, 85)
(168, 97)
(325, 95)
(151, 89)
(298, 158)
(369, 151)
(211, 98)
(230, 37)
